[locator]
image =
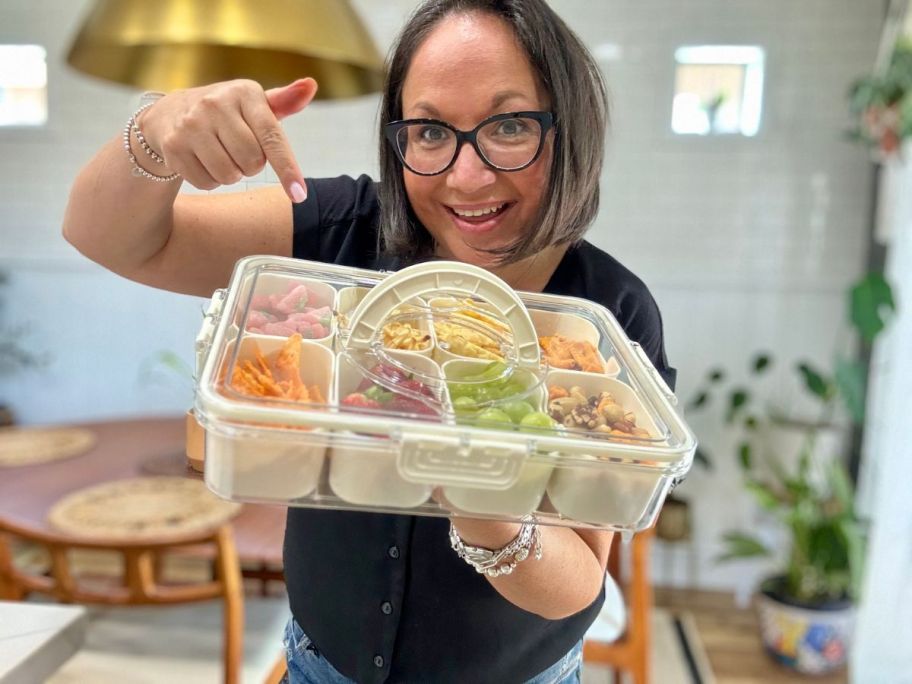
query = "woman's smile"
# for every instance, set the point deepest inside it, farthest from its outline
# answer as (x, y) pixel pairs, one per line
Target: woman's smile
(479, 218)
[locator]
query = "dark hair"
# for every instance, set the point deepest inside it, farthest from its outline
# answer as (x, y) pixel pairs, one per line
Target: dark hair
(578, 101)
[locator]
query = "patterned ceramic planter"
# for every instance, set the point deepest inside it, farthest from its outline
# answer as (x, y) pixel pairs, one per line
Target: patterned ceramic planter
(811, 641)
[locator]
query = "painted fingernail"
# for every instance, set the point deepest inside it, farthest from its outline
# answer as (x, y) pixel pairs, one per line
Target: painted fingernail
(298, 193)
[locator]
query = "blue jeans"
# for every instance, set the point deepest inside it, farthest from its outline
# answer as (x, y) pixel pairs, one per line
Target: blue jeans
(307, 666)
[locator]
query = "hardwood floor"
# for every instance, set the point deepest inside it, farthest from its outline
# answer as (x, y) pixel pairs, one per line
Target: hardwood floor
(731, 638)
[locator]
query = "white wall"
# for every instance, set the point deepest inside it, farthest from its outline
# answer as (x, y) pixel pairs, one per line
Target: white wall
(885, 619)
(746, 243)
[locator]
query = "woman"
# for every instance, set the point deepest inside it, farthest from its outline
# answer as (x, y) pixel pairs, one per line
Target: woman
(379, 597)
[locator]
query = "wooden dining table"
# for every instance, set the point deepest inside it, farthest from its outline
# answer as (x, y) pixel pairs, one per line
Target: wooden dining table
(249, 545)
(126, 449)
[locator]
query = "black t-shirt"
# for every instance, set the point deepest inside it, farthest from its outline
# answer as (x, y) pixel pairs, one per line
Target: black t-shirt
(383, 597)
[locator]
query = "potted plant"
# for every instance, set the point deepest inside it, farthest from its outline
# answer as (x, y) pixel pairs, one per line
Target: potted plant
(882, 104)
(805, 610)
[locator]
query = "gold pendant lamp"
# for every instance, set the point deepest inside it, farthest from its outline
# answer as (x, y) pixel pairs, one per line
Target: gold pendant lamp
(170, 44)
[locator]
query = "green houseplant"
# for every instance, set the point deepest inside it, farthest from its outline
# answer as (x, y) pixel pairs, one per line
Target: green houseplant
(806, 609)
(882, 103)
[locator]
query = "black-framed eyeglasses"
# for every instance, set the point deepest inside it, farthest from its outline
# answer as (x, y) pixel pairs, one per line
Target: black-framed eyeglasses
(505, 142)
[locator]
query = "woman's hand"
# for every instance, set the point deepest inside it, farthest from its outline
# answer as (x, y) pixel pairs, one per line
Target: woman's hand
(216, 134)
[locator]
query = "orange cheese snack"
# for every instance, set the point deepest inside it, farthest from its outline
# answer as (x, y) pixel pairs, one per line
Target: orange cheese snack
(282, 381)
(561, 352)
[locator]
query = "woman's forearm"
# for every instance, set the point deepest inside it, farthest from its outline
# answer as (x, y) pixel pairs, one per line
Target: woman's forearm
(115, 218)
(567, 579)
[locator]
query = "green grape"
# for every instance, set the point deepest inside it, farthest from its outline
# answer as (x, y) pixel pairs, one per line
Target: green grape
(493, 417)
(464, 404)
(513, 388)
(485, 394)
(537, 420)
(517, 410)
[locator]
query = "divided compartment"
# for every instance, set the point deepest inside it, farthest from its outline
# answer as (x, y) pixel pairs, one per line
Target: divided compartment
(409, 315)
(245, 462)
(576, 328)
(276, 310)
(475, 331)
(524, 494)
(612, 489)
(346, 300)
(367, 474)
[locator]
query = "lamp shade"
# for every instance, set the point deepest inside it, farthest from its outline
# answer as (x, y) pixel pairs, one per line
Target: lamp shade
(170, 44)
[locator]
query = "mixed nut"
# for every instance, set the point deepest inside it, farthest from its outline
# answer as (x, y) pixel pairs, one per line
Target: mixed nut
(601, 413)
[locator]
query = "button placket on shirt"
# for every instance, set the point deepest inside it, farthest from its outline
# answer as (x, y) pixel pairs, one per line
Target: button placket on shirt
(394, 556)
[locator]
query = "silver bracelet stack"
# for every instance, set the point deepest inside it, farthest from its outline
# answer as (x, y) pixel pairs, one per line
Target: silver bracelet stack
(500, 561)
(138, 170)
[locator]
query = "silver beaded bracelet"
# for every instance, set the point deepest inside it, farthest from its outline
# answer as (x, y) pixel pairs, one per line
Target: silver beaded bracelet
(496, 562)
(133, 127)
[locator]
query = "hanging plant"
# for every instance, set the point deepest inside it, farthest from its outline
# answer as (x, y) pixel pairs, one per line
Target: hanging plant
(882, 104)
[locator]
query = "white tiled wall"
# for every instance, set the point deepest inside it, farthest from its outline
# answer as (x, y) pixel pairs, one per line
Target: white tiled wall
(746, 243)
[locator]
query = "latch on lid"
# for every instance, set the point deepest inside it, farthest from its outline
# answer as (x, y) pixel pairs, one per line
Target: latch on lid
(459, 462)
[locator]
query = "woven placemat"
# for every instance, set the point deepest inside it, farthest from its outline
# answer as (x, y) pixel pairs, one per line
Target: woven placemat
(141, 508)
(29, 446)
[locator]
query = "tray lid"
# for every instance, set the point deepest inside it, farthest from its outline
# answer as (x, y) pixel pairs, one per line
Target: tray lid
(431, 446)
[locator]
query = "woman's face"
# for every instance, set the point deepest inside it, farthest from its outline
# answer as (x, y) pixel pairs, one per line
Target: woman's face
(471, 67)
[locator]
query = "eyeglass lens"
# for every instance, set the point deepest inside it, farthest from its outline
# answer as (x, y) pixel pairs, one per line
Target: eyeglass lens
(506, 144)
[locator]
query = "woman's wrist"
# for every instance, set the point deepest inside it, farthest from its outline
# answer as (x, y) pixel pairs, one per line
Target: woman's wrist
(144, 148)
(503, 560)
(490, 534)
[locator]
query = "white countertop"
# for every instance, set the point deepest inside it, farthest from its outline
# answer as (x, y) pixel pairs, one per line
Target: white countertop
(37, 638)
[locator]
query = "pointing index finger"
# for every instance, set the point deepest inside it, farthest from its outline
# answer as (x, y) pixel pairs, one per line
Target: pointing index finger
(276, 148)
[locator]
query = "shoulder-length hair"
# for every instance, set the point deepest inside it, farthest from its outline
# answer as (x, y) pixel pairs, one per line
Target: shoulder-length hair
(579, 103)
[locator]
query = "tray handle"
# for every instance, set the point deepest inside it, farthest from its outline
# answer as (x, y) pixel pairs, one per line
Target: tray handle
(433, 277)
(210, 320)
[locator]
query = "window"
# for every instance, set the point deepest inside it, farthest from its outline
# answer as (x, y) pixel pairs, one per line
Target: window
(23, 85)
(718, 90)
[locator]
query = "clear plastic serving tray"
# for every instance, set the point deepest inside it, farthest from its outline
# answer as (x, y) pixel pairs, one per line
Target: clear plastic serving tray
(435, 390)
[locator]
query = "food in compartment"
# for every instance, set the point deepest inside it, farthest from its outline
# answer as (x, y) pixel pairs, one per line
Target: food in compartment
(472, 392)
(462, 341)
(363, 468)
(605, 484)
(602, 413)
(293, 311)
(490, 399)
(514, 414)
(280, 379)
(371, 395)
(568, 354)
(285, 462)
(479, 337)
(405, 336)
